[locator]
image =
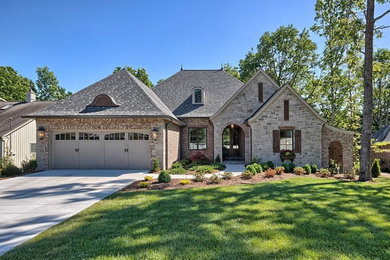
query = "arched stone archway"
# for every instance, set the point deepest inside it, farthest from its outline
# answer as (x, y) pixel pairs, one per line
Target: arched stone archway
(336, 153)
(233, 143)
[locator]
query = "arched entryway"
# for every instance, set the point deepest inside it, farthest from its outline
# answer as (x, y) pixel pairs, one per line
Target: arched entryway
(233, 143)
(336, 153)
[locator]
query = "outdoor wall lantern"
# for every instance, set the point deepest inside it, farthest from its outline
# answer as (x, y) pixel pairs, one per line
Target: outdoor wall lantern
(41, 133)
(231, 126)
(154, 133)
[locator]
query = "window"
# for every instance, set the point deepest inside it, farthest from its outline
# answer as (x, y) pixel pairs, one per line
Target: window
(138, 136)
(115, 136)
(286, 139)
(66, 136)
(197, 139)
(88, 136)
(33, 147)
(197, 97)
(260, 92)
(286, 110)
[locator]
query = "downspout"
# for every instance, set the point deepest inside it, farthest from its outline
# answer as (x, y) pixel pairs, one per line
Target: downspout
(166, 145)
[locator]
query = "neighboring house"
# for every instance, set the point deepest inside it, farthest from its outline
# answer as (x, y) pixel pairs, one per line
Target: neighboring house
(382, 135)
(119, 122)
(18, 134)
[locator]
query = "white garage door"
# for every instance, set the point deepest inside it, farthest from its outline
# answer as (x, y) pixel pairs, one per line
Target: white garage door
(88, 150)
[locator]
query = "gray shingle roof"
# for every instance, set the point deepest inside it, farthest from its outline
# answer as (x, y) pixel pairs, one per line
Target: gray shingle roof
(11, 117)
(176, 91)
(134, 98)
(381, 134)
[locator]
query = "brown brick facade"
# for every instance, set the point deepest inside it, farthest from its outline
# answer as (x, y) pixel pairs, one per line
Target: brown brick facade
(197, 122)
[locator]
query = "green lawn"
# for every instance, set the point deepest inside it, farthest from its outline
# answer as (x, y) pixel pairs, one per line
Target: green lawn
(293, 218)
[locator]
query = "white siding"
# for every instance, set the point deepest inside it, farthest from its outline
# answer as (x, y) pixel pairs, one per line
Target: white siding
(19, 142)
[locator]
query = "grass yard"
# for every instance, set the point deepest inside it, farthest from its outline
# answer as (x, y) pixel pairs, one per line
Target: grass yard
(292, 218)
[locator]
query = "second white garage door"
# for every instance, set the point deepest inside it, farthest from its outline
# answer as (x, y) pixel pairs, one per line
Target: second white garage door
(121, 150)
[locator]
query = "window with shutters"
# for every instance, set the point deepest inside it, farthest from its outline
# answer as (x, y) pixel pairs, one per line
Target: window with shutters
(286, 140)
(260, 92)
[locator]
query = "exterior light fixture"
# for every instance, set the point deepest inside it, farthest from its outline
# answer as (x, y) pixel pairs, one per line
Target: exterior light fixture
(41, 133)
(231, 126)
(154, 133)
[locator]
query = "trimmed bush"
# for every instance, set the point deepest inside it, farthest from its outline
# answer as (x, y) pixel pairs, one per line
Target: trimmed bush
(251, 168)
(299, 171)
(144, 184)
(291, 166)
(199, 158)
(333, 168)
(164, 177)
(214, 179)
(264, 166)
(279, 170)
(227, 175)
(270, 173)
(199, 177)
(247, 175)
(307, 168)
(10, 170)
(323, 173)
(203, 168)
(218, 166)
(177, 171)
(177, 165)
(257, 168)
(286, 167)
(29, 166)
(217, 159)
(185, 182)
(148, 178)
(271, 164)
(375, 169)
(314, 168)
(156, 165)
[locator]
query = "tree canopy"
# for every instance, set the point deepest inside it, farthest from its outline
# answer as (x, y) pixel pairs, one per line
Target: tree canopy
(139, 73)
(48, 86)
(13, 87)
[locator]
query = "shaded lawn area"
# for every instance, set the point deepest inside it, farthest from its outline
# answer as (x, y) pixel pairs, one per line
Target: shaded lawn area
(292, 218)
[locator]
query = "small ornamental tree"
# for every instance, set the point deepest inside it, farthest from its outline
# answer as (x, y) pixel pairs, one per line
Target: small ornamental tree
(375, 169)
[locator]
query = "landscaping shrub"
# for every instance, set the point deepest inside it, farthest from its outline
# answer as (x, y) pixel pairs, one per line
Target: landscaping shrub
(203, 168)
(199, 158)
(144, 184)
(324, 173)
(279, 170)
(164, 177)
(199, 177)
(177, 165)
(307, 168)
(257, 168)
(218, 166)
(176, 171)
(291, 166)
(217, 159)
(227, 175)
(264, 166)
(271, 164)
(156, 165)
(333, 168)
(148, 178)
(255, 160)
(185, 162)
(314, 168)
(29, 166)
(350, 175)
(247, 175)
(214, 179)
(286, 167)
(251, 168)
(270, 173)
(185, 182)
(299, 171)
(375, 169)
(10, 170)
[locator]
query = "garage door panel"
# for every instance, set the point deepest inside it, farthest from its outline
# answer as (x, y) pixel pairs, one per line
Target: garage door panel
(89, 154)
(65, 151)
(139, 151)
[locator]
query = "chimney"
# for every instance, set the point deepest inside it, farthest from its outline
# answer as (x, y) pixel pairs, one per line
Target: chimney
(31, 96)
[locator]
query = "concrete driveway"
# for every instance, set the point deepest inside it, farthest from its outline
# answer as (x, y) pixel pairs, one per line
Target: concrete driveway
(31, 204)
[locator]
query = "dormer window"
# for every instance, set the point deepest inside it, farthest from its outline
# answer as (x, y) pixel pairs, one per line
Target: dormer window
(198, 96)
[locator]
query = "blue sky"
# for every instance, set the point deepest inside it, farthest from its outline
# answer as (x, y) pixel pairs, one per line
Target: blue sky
(83, 41)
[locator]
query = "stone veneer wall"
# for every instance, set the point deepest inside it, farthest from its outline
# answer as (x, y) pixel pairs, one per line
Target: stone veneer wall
(301, 118)
(58, 124)
(329, 135)
(197, 122)
(173, 143)
(240, 108)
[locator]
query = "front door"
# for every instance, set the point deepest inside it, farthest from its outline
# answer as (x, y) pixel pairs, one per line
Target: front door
(336, 153)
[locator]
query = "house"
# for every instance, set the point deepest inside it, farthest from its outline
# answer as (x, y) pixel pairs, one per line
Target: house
(18, 134)
(119, 122)
(382, 135)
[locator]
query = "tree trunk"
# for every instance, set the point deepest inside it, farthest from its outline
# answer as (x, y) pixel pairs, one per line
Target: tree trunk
(365, 173)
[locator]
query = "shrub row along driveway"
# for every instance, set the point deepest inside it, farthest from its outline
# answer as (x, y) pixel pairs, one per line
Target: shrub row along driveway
(30, 204)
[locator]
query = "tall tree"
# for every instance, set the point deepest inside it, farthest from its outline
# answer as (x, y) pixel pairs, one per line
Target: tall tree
(48, 86)
(365, 173)
(139, 73)
(231, 70)
(287, 55)
(13, 87)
